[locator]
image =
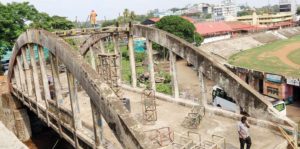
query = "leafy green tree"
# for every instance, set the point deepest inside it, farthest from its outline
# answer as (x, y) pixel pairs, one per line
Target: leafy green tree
(181, 28)
(15, 18)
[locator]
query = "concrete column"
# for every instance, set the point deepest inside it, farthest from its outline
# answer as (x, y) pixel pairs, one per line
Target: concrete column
(173, 73)
(38, 96)
(17, 77)
(27, 73)
(151, 64)
(93, 61)
(203, 99)
(58, 96)
(132, 60)
(22, 74)
(119, 59)
(102, 48)
(98, 125)
(74, 105)
(45, 80)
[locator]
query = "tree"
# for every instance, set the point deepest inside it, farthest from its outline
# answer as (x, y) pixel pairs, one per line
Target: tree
(15, 18)
(181, 28)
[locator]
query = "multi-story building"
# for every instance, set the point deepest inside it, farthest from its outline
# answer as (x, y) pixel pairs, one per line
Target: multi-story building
(266, 19)
(227, 10)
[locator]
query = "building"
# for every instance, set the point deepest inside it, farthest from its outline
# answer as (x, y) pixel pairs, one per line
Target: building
(227, 11)
(267, 19)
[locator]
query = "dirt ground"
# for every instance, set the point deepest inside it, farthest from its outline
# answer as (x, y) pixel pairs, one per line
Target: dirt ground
(283, 53)
(172, 115)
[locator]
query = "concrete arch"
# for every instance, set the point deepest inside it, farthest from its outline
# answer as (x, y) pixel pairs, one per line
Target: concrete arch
(126, 127)
(248, 98)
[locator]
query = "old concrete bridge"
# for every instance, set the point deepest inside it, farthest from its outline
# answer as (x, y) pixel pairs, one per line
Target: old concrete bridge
(100, 79)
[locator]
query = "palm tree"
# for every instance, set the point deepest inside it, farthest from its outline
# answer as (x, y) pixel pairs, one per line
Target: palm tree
(125, 14)
(132, 15)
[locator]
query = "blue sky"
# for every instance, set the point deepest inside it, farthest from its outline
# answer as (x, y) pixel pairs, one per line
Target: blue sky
(112, 8)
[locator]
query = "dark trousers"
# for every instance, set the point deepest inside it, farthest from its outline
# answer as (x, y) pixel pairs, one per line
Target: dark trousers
(247, 141)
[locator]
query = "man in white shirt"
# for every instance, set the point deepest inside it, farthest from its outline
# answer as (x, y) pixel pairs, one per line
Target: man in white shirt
(243, 131)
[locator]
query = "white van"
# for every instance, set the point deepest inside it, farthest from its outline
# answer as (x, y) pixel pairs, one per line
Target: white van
(222, 100)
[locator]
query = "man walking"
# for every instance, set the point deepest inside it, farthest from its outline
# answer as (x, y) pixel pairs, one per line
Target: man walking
(93, 16)
(243, 131)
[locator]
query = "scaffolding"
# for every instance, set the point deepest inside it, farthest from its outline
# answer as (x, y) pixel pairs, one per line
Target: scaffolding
(149, 105)
(161, 137)
(108, 70)
(193, 119)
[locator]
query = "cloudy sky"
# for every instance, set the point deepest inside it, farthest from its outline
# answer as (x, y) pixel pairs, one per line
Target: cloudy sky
(112, 8)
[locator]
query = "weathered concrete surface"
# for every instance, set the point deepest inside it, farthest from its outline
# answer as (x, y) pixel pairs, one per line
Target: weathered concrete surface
(8, 140)
(125, 127)
(248, 99)
(13, 115)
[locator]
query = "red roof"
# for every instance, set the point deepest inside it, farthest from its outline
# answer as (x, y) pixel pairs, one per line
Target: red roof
(212, 28)
(189, 19)
(154, 19)
(184, 17)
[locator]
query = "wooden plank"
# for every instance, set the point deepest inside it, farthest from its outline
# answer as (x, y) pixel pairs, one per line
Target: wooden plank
(173, 72)
(132, 61)
(288, 138)
(17, 76)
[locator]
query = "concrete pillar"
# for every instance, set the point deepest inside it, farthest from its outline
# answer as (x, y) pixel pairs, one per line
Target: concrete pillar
(14, 116)
(17, 77)
(27, 73)
(173, 73)
(74, 105)
(102, 48)
(132, 60)
(58, 96)
(22, 74)
(44, 80)
(203, 99)
(151, 64)
(98, 125)
(93, 61)
(38, 96)
(119, 59)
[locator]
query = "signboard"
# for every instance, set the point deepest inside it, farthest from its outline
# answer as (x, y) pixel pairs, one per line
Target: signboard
(274, 78)
(294, 82)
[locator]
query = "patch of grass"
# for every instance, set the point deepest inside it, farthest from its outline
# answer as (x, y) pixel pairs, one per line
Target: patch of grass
(260, 58)
(295, 56)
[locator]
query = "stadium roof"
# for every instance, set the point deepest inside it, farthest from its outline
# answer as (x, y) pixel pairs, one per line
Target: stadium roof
(212, 28)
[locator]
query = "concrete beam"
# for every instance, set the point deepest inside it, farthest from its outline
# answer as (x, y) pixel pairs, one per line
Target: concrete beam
(98, 126)
(47, 95)
(22, 74)
(58, 96)
(74, 105)
(38, 96)
(27, 72)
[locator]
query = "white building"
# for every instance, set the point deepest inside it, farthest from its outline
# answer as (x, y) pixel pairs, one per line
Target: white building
(226, 10)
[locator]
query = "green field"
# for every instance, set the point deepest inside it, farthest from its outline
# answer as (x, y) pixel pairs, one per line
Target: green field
(260, 58)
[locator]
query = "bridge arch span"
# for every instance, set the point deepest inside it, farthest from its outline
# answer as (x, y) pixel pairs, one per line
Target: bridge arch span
(125, 126)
